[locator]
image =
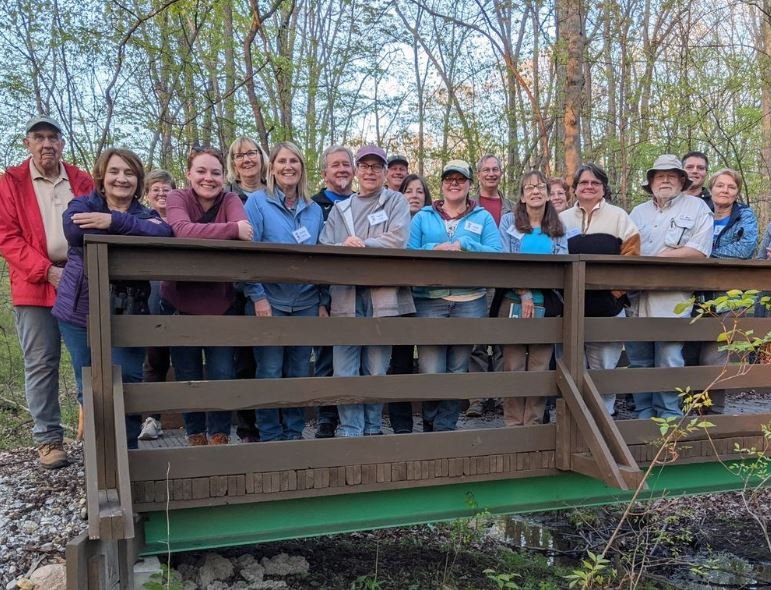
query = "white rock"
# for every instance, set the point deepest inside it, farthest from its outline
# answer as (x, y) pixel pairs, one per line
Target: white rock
(285, 565)
(253, 573)
(50, 577)
(214, 568)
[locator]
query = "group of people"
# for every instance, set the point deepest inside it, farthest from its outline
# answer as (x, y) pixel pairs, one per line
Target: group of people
(48, 206)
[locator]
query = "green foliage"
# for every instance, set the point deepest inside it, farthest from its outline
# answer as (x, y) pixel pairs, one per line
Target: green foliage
(368, 582)
(595, 572)
(502, 581)
(166, 579)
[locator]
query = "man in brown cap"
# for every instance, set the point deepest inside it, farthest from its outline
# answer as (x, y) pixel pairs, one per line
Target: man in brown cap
(33, 196)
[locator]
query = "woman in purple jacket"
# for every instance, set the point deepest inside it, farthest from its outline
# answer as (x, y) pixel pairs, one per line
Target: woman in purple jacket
(204, 211)
(113, 208)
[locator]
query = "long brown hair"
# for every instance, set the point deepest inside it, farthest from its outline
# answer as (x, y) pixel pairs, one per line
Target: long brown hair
(550, 224)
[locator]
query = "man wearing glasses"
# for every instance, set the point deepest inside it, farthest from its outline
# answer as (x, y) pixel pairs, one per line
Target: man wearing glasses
(672, 225)
(33, 197)
(486, 357)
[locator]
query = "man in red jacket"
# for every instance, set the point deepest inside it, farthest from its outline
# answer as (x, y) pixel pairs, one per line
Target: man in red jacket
(33, 196)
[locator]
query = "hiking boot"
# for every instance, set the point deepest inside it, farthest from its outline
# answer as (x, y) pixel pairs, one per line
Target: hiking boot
(475, 409)
(52, 455)
(151, 429)
(325, 430)
(219, 438)
(197, 440)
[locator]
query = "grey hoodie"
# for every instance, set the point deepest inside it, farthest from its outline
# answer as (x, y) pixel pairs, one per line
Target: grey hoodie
(381, 221)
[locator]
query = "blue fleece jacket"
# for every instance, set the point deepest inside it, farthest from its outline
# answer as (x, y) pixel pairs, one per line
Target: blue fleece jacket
(275, 224)
(476, 231)
(739, 238)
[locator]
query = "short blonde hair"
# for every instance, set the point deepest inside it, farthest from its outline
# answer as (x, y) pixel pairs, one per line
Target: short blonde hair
(235, 148)
(727, 172)
(302, 185)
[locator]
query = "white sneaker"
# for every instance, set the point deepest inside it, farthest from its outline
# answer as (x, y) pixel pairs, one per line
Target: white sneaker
(151, 429)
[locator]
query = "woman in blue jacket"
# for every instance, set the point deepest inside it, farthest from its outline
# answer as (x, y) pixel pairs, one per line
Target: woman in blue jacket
(533, 227)
(114, 208)
(735, 236)
(284, 214)
(452, 223)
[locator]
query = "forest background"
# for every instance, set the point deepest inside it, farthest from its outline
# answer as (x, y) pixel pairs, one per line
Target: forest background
(542, 84)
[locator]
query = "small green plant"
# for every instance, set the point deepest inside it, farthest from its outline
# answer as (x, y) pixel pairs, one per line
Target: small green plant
(166, 579)
(595, 572)
(502, 581)
(368, 582)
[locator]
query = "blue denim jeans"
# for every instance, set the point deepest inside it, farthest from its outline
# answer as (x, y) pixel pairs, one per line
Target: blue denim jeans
(324, 368)
(188, 366)
(276, 362)
(41, 344)
(443, 415)
(660, 404)
(351, 361)
(605, 355)
(129, 360)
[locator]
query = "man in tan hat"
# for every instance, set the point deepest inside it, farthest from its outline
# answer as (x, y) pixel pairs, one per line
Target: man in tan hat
(33, 196)
(672, 225)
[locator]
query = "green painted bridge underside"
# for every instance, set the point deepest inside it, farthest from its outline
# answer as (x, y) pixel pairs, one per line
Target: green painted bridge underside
(240, 524)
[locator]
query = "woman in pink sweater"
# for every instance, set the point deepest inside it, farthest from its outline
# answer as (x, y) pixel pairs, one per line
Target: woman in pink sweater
(204, 211)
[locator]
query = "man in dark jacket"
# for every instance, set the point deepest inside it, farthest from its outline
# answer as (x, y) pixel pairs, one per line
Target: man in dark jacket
(337, 172)
(33, 196)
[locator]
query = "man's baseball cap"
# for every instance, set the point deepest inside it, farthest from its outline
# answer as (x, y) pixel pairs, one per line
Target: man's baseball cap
(459, 166)
(43, 120)
(370, 150)
(398, 159)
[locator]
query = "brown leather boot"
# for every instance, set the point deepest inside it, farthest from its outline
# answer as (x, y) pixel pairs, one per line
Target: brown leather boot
(52, 455)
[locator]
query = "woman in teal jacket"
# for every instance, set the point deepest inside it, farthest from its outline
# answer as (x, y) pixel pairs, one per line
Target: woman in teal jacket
(453, 223)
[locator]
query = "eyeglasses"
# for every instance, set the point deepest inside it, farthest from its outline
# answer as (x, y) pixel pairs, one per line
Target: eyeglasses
(592, 183)
(454, 180)
(370, 167)
(248, 154)
(529, 188)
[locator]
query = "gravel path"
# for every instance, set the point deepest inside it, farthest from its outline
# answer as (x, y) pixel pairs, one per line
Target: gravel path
(40, 510)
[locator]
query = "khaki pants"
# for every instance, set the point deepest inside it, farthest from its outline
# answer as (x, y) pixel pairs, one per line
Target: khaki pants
(522, 411)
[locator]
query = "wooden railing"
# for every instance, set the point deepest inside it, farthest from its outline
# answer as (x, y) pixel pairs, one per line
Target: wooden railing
(584, 438)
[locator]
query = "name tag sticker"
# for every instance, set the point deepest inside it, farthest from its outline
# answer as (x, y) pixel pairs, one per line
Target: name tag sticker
(474, 228)
(301, 234)
(572, 232)
(377, 217)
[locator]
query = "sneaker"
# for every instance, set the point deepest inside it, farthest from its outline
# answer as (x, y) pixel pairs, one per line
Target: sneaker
(52, 455)
(197, 440)
(151, 429)
(250, 438)
(219, 438)
(325, 430)
(475, 409)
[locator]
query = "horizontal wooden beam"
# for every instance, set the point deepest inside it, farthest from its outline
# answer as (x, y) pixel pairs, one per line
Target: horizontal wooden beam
(188, 396)
(188, 330)
(184, 462)
(667, 329)
(646, 431)
(697, 378)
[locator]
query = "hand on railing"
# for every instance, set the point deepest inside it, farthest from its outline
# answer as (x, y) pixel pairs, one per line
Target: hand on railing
(245, 231)
(353, 242)
(448, 246)
(262, 308)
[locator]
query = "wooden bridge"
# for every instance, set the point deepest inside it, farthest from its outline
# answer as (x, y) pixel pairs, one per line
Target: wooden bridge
(243, 493)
